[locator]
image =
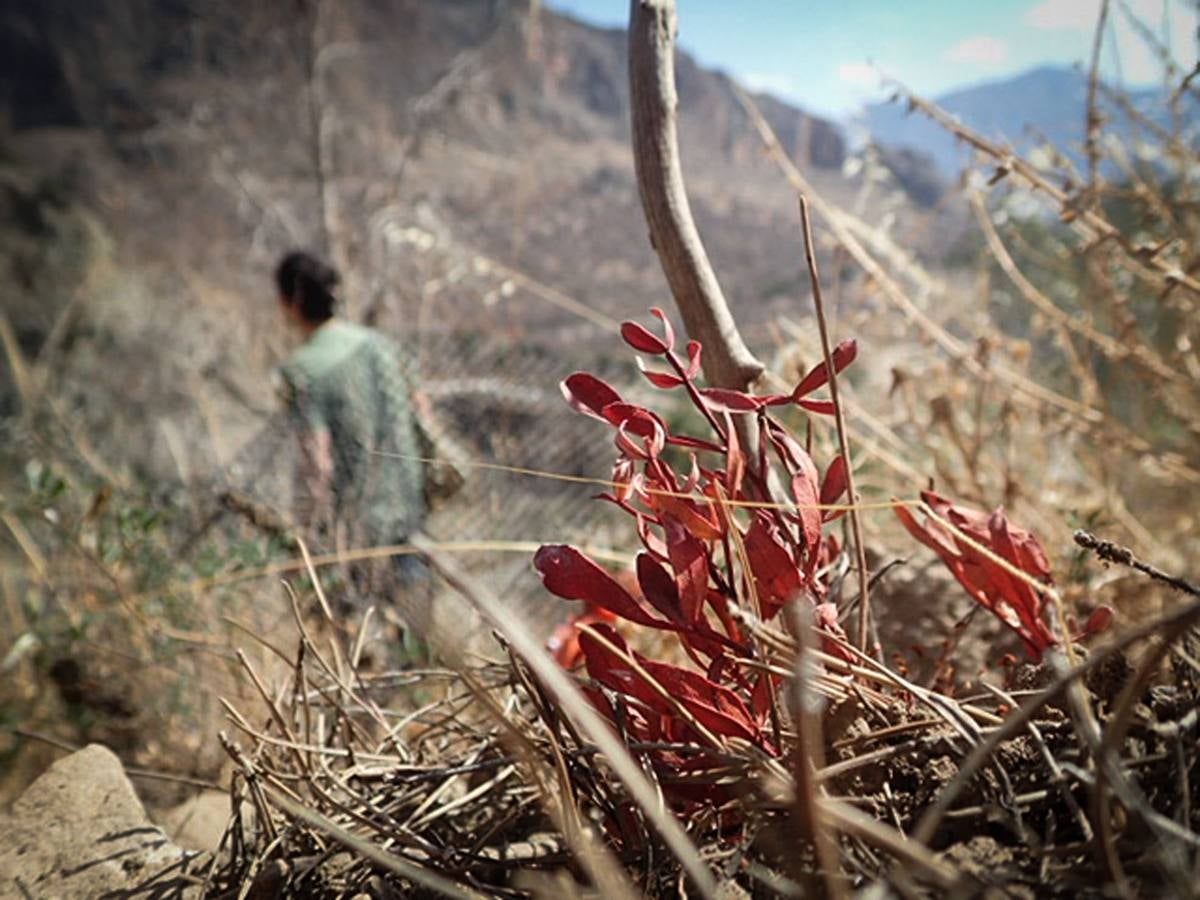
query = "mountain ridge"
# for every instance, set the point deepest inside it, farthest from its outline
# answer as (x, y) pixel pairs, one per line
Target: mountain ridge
(1044, 104)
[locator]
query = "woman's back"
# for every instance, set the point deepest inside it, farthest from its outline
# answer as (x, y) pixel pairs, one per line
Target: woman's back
(354, 383)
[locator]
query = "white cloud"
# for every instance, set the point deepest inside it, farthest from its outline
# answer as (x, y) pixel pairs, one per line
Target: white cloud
(1063, 15)
(980, 50)
(770, 83)
(859, 75)
(1138, 62)
(1127, 56)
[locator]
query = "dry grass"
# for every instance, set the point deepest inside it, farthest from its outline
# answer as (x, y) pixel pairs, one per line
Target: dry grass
(496, 777)
(501, 781)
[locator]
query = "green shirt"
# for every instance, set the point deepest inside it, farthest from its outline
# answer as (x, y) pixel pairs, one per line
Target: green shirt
(355, 383)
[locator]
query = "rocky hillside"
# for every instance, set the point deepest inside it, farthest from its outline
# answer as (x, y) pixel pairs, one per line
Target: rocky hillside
(443, 153)
(207, 118)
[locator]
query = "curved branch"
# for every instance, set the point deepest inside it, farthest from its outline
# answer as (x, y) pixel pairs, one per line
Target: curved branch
(653, 101)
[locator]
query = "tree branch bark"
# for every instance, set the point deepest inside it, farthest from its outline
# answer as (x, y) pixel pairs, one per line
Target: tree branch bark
(728, 363)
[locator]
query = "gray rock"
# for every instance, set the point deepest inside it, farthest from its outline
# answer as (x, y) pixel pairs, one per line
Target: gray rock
(80, 831)
(199, 823)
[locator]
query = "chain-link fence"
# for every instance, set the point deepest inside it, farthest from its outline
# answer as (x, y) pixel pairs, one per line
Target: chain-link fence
(525, 455)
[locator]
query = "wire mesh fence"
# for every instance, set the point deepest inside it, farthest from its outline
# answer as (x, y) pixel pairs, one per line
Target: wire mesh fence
(530, 464)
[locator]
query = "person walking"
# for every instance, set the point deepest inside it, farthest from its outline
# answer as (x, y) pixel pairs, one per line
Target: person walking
(351, 401)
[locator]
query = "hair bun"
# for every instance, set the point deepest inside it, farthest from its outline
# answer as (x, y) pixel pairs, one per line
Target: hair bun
(308, 283)
(326, 275)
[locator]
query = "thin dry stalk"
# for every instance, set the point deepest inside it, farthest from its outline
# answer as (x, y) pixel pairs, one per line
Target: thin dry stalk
(809, 759)
(601, 866)
(1026, 390)
(1060, 779)
(1094, 227)
(1093, 120)
(1109, 770)
(1115, 553)
(864, 608)
(585, 717)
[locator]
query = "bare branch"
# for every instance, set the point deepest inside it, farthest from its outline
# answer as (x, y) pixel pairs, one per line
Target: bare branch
(727, 361)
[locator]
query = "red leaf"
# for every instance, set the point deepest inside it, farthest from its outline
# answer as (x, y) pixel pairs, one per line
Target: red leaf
(637, 337)
(843, 354)
(704, 525)
(777, 578)
(730, 401)
(808, 499)
(610, 670)
(658, 588)
(825, 619)
(1020, 548)
(564, 645)
(664, 380)
(717, 708)
(1099, 621)
(625, 480)
(829, 550)
(693, 352)
(1012, 600)
(834, 485)
(932, 535)
(588, 394)
(648, 449)
(569, 574)
(735, 461)
(760, 698)
(776, 399)
(792, 454)
(693, 478)
(651, 541)
(682, 440)
(668, 331)
(835, 481)
(689, 559)
(822, 407)
(564, 642)
(635, 420)
(720, 604)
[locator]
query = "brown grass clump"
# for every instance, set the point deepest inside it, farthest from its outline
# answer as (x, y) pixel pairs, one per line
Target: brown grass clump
(490, 780)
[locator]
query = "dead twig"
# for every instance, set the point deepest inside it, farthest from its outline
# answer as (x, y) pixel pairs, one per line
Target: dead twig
(864, 588)
(585, 717)
(1115, 553)
(1022, 716)
(653, 102)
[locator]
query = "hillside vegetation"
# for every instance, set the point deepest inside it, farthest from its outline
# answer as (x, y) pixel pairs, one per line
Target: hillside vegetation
(909, 611)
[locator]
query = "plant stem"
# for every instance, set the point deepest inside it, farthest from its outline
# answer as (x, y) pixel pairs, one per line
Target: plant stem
(864, 606)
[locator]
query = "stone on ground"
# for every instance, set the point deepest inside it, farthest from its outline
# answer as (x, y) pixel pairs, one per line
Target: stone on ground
(80, 831)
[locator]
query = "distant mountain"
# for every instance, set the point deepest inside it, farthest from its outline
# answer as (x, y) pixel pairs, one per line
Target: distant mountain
(1043, 104)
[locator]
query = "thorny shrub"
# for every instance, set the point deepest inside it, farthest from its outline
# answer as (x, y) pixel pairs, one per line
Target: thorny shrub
(715, 548)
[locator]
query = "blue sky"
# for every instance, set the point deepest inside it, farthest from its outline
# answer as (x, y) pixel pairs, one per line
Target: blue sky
(819, 53)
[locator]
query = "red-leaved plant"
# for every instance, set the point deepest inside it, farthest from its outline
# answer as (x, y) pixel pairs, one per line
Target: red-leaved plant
(711, 547)
(1014, 601)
